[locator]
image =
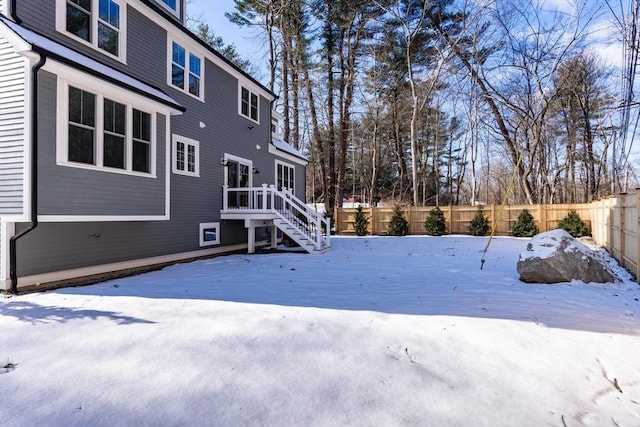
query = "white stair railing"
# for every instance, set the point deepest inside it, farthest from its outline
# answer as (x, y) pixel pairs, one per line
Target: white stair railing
(290, 210)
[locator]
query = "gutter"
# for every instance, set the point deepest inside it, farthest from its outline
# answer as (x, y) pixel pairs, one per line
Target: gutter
(13, 256)
(14, 13)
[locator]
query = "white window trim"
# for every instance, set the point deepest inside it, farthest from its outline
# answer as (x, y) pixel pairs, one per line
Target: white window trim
(241, 160)
(174, 162)
(99, 88)
(286, 165)
(188, 50)
(176, 11)
(61, 27)
(251, 92)
(207, 225)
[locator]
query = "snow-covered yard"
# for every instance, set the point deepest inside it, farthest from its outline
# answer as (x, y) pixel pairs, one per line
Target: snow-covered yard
(380, 331)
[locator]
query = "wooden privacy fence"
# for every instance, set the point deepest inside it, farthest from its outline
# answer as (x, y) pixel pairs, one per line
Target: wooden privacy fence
(615, 226)
(457, 218)
(613, 222)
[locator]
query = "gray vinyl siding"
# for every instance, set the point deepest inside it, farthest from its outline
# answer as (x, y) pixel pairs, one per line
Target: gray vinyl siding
(65, 190)
(194, 200)
(12, 129)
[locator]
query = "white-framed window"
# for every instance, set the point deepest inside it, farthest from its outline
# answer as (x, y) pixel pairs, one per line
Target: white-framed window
(186, 156)
(249, 104)
(97, 130)
(172, 5)
(209, 234)
(285, 176)
(185, 70)
(100, 24)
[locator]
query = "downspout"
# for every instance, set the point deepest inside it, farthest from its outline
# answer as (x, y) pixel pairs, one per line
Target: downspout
(13, 256)
(14, 12)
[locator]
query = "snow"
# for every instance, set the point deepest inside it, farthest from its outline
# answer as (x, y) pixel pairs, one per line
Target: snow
(380, 331)
(545, 244)
(287, 148)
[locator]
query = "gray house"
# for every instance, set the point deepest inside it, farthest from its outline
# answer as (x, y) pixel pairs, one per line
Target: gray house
(127, 143)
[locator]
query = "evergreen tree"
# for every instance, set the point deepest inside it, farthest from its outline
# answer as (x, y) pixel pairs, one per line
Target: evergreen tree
(435, 223)
(479, 225)
(398, 226)
(524, 225)
(574, 225)
(361, 222)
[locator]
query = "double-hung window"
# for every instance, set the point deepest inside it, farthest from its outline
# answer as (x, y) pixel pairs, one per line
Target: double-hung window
(115, 134)
(97, 23)
(106, 134)
(141, 141)
(82, 126)
(249, 104)
(186, 156)
(186, 70)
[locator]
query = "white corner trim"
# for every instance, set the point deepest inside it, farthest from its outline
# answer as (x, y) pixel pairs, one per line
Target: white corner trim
(167, 167)
(7, 231)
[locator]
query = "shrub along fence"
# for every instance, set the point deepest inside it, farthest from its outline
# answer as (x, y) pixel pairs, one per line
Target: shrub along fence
(613, 222)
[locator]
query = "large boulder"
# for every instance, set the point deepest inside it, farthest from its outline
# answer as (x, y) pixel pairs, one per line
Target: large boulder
(554, 256)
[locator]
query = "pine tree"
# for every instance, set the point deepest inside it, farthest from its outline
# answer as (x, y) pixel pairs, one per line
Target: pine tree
(435, 223)
(398, 226)
(524, 225)
(479, 225)
(574, 225)
(361, 222)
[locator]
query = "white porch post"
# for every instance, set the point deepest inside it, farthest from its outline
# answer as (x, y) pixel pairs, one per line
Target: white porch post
(274, 237)
(225, 197)
(251, 239)
(265, 206)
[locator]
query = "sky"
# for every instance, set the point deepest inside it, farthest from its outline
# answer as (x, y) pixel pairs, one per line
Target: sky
(390, 331)
(248, 44)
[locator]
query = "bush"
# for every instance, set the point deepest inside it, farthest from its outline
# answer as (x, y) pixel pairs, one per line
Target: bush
(361, 222)
(479, 225)
(574, 225)
(524, 225)
(435, 224)
(398, 226)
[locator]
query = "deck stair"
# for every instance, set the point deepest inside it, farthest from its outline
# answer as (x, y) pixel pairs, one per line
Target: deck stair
(307, 227)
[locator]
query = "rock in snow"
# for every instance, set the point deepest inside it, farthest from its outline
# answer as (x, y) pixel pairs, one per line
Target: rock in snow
(555, 256)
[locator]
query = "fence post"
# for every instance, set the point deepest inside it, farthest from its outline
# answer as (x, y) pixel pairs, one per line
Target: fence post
(637, 196)
(494, 223)
(543, 217)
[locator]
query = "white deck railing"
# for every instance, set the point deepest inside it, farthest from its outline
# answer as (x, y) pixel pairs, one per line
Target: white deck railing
(282, 204)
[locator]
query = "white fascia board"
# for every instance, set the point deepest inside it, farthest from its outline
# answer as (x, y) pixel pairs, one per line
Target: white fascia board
(284, 155)
(80, 77)
(19, 44)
